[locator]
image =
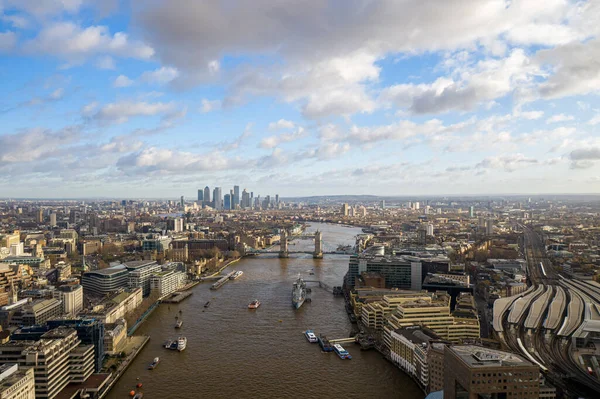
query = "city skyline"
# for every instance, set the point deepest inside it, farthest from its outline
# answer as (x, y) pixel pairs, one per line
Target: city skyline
(136, 99)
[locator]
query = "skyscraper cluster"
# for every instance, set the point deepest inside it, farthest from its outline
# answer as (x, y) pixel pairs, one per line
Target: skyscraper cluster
(232, 200)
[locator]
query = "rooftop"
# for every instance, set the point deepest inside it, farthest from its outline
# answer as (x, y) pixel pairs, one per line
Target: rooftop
(109, 270)
(480, 357)
(137, 264)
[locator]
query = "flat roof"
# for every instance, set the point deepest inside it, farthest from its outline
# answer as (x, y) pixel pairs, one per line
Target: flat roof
(108, 271)
(480, 357)
(136, 264)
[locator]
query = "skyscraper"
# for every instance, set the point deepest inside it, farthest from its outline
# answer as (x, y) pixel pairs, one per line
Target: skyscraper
(182, 203)
(53, 219)
(206, 196)
(245, 199)
(200, 195)
(217, 198)
(227, 202)
(235, 201)
(472, 211)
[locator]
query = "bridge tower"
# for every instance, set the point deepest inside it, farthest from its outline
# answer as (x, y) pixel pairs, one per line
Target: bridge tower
(318, 254)
(283, 246)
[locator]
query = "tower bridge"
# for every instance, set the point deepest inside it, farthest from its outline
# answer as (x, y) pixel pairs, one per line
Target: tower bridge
(284, 251)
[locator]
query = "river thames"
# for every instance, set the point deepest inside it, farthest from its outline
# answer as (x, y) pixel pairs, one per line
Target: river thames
(234, 352)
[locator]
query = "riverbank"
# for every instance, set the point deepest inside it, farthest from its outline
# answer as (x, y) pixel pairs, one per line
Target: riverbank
(136, 344)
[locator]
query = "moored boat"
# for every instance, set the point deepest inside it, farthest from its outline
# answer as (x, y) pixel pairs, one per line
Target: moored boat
(179, 324)
(236, 275)
(207, 304)
(154, 363)
(298, 293)
(341, 352)
(325, 344)
(310, 336)
(254, 304)
(181, 343)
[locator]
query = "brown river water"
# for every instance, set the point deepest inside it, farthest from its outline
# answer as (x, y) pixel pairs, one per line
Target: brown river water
(234, 352)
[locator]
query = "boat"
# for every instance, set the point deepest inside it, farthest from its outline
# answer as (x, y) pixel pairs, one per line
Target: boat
(298, 293)
(168, 344)
(341, 352)
(236, 275)
(207, 304)
(181, 343)
(179, 324)
(254, 304)
(310, 336)
(154, 363)
(138, 395)
(325, 344)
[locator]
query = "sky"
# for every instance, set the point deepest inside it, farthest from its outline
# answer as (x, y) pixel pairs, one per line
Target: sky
(157, 98)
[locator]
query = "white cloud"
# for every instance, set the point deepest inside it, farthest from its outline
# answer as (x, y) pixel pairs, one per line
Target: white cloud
(106, 62)
(210, 105)
(121, 112)
(122, 81)
(560, 118)
(594, 120)
(281, 124)
(8, 40)
(274, 141)
(76, 44)
(575, 69)
(160, 76)
(485, 81)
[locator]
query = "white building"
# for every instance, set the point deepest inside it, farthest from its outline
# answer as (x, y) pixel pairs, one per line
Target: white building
(71, 297)
(16, 383)
(430, 230)
(166, 282)
(140, 273)
(178, 225)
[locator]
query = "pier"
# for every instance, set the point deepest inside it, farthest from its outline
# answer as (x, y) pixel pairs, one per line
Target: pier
(343, 340)
(177, 297)
(222, 281)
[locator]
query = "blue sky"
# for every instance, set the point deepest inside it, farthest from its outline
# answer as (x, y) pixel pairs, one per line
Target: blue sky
(151, 98)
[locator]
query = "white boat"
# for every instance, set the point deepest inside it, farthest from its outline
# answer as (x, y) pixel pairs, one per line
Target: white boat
(236, 275)
(181, 343)
(310, 336)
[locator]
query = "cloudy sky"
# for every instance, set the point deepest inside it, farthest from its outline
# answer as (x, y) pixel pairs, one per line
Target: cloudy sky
(155, 98)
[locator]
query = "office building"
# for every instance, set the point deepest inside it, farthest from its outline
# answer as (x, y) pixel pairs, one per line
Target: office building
(217, 199)
(166, 282)
(206, 200)
(53, 219)
(227, 202)
(489, 227)
(27, 312)
(104, 281)
(246, 201)
(89, 331)
(56, 358)
(475, 372)
(116, 307)
(402, 272)
(472, 211)
(71, 297)
(158, 244)
(140, 273)
(345, 209)
(435, 365)
(16, 382)
(408, 351)
(178, 225)
(200, 196)
(235, 202)
(430, 230)
(115, 337)
(434, 313)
